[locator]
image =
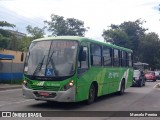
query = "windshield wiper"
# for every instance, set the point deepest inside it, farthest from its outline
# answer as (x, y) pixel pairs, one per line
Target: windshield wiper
(52, 63)
(39, 66)
(50, 57)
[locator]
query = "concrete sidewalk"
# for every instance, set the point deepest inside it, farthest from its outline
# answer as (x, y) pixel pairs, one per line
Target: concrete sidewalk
(9, 86)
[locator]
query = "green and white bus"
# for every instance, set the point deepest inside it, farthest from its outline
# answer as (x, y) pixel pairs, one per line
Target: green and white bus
(73, 69)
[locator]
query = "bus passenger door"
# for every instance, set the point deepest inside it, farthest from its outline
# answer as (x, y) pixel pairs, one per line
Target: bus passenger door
(82, 72)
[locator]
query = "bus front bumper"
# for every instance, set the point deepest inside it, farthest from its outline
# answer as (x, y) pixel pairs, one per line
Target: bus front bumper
(59, 96)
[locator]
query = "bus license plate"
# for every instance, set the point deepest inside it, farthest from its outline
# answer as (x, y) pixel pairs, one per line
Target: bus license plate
(44, 93)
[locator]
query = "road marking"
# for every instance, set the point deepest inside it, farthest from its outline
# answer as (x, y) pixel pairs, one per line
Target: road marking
(15, 102)
(11, 90)
(157, 86)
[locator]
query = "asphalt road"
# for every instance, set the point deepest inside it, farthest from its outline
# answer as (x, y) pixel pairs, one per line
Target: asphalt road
(135, 99)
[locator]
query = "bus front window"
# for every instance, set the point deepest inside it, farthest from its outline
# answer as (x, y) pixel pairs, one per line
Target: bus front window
(51, 58)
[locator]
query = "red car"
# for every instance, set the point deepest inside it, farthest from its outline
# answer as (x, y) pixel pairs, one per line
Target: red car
(150, 76)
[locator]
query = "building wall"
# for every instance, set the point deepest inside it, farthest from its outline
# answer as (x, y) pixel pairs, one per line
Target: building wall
(11, 71)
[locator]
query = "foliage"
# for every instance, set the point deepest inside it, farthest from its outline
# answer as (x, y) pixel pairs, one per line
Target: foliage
(59, 26)
(127, 34)
(4, 41)
(117, 37)
(6, 24)
(24, 43)
(35, 32)
(5, 35)
(149, 51)
(10, 41)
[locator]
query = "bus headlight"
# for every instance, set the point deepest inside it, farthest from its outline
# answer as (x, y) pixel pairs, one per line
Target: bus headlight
(68, 85)
(25, 83)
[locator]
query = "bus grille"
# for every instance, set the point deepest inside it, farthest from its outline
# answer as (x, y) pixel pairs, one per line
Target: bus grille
(48, 88)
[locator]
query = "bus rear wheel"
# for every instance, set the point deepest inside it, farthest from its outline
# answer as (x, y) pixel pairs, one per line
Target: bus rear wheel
(122, 89)
(141, 83)
(91, 95)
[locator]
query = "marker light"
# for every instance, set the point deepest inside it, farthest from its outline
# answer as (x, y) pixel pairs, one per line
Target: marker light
(25, 83)
(69, 85)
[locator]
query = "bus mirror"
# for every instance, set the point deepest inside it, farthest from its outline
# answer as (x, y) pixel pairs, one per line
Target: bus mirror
(82, 55)
(22, 57)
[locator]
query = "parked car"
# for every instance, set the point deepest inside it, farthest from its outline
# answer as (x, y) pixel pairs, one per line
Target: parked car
(138, 78)
(157, 74)
(150, 76)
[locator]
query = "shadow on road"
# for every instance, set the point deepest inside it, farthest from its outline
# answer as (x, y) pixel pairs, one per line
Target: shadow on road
(58, 105)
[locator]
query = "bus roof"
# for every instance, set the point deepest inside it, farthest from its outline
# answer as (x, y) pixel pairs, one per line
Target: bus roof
(77, 38)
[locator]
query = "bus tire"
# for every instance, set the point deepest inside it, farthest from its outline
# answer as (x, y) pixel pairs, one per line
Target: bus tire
(122, 89)
(144, 83)
(91, 94)
(140, 83)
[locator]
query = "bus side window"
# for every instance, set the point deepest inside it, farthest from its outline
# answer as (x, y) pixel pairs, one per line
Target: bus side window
(83, 57)
(124, 59)
(130, 60)
(120, 58)
(107, 60)
(127, 60)
(96, 55)
(116, 57)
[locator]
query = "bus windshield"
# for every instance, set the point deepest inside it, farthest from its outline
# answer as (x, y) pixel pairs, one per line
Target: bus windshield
(51, 58)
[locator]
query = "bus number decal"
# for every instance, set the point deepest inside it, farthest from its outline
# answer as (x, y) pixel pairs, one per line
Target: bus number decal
(40, 83)
(113, 75)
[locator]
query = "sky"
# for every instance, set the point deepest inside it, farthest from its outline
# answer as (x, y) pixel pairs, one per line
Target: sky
(96, 14)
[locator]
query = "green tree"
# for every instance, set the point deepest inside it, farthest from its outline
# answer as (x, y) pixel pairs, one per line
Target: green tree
(35, 32)
(24, 43)
(127, 34)
(149, 50)
(70, 26)
(117, 37)
(4, 41)
(135, 31)
(5, 35)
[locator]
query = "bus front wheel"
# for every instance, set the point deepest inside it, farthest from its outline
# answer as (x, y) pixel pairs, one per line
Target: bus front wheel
(91, 94)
